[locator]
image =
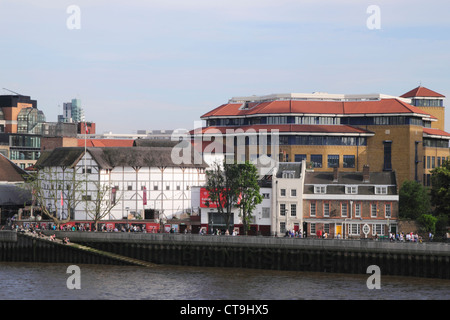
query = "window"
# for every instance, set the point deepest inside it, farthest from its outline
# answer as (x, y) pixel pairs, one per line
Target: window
(288, 174)
(438, 161)
(373, 210)
(130, 187)
(282, 227)
(377, 229)
(387, 155)
(381, 190)
(428, 162)
(299, 157)
(86, 198)
(432, 162)
(283, 192)
(387, 210)
(349, 161)
(167, 187)
(266, 195)
(282, 209)
(326, 209)
(316, 160)
(344, 209)
(293, 192)
(155, 187)
(265, 213)
(312, 209)
(333, 161)
(293, 210)
(313, 228)
(351, 189)
(357, 210)
(320, 189)
(326, 228)
(355, 229)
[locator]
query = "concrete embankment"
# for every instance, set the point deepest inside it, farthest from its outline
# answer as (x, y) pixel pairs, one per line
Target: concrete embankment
(319, 255)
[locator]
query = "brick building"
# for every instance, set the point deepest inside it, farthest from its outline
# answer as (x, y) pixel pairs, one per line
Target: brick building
(343, 204)
(403, 134)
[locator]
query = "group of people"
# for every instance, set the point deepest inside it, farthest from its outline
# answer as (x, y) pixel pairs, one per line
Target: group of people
(408, 237)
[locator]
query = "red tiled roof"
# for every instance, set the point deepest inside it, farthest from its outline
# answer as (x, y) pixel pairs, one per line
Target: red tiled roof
(383, 106)
(106, 142)
(435, 132)
(422, 92)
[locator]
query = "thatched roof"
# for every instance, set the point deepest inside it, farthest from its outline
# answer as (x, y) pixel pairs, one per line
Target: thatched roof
(108, 158)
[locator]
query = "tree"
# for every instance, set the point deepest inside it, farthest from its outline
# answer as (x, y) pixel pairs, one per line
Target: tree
(428, 222)
(440, 189)
(101, 201)
(414, 200)
(248, 192)
(56, 189)
(221, 183)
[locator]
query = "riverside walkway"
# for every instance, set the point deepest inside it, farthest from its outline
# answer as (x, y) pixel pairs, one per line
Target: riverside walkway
(315, 255)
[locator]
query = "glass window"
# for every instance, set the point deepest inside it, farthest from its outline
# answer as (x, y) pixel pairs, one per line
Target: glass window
(265, 212)
(299, 157)
(387, 210)
(381, 190)
(316, 160)
(293, 192)
(344, 209)
(373, 210)
(326, 209)
(349, 161)
(283, 192)
(351, 189)
(293, 210)
(312, 209)
(282, 209)
(357, 210)
(387, 155)
(333, 161)
(320, 189)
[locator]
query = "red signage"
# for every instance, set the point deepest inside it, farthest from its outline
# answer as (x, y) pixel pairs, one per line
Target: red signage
(204, 199)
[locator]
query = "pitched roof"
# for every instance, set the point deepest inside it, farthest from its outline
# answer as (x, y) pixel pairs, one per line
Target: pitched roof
(435, 132)
(108, 158)
(382, 106)
(422, 92)
(10, 172)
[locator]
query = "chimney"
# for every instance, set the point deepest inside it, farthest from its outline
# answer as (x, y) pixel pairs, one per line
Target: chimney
(366, 175)
(335, 174)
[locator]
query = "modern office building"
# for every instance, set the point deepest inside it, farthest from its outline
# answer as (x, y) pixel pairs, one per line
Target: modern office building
(335, 130)
(21, 125)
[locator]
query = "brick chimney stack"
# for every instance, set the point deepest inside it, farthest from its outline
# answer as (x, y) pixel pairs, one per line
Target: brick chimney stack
(366, 175)
(335, 174)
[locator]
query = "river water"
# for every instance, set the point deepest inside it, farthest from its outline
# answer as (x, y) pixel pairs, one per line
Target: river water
(30, 281)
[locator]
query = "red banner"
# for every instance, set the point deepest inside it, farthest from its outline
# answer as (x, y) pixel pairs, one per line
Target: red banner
(204, 198)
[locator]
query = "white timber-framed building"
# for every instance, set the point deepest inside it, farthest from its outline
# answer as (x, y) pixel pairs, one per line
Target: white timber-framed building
(142, 182)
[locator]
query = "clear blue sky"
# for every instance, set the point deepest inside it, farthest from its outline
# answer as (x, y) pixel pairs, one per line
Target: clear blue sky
(139, 64)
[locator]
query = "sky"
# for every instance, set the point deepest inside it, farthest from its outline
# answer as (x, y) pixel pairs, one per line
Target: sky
(161, 64)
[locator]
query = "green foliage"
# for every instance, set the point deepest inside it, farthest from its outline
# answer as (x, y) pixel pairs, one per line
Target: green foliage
(233, 185)
(428, 222)
(249, 195)
(414, 200)
(440, 190)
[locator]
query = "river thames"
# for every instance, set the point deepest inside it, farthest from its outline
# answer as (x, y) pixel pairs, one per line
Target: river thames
(39, 281)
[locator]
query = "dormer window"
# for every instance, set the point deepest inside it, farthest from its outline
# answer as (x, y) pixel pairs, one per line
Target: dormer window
(351, 189)
(320, 189)
(381, 189)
